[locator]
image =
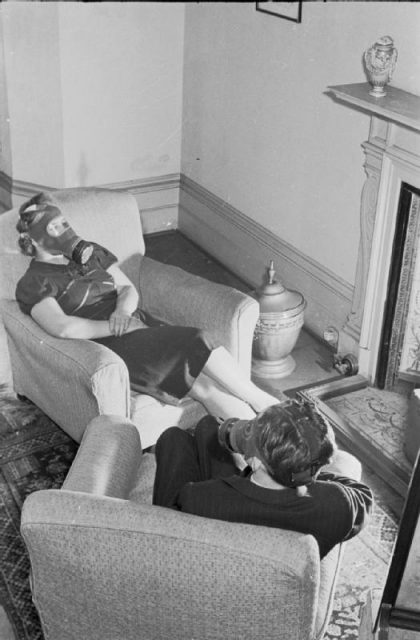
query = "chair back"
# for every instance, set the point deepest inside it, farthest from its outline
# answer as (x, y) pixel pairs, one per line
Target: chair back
(108, 217)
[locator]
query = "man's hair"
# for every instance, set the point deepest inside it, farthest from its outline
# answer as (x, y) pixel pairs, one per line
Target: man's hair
(295, 441)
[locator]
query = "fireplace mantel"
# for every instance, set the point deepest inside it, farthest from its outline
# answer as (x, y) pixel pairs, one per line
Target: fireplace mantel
(397, 105)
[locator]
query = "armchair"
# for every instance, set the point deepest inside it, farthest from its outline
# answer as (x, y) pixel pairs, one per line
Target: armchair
(73, 381)
(108, 565)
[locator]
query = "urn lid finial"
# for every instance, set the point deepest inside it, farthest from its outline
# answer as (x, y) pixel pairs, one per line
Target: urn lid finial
(275, 298)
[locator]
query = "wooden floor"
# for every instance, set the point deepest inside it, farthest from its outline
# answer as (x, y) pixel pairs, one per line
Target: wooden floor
(171, 247)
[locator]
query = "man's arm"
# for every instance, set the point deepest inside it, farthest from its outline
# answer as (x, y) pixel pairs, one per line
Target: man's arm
(359, 498)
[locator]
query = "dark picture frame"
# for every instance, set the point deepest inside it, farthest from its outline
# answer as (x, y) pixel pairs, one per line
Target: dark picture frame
(287, 10)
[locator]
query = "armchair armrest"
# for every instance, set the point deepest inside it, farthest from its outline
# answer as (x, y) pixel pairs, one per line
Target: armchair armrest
(72, 381)
(177, 297)
(107, 460)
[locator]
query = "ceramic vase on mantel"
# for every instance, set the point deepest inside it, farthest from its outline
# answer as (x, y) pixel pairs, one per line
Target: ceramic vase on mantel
(278, 328)
(380, 60)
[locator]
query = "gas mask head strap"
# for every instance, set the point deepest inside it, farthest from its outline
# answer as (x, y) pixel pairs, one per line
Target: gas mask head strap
(312, 436)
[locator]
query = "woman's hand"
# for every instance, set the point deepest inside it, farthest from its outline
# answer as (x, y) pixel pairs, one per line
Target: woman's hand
(119, 322)
(121, 319)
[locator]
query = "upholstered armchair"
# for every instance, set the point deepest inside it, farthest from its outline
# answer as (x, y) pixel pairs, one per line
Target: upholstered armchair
(108, 565)
(73, 381)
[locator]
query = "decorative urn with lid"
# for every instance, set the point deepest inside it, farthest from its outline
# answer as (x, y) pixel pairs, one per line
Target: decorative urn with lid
(380, 60)
(277, 329)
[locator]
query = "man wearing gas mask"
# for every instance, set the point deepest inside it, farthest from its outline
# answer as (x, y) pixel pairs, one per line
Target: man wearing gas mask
(282, 485)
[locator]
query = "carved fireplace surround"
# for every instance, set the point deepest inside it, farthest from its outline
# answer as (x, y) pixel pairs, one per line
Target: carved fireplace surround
(392, 157)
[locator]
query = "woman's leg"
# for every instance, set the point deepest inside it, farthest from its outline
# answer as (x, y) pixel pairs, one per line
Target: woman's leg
(223, 369)
(218, 401)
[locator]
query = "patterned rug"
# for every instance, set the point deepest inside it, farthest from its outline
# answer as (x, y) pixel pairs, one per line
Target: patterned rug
(364, 567)
(36, 454)
(381, 417)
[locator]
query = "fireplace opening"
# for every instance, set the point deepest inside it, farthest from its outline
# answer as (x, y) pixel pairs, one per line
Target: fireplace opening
(399, 350)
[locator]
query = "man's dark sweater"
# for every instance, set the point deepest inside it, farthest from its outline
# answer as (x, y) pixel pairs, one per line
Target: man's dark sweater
(195, 475)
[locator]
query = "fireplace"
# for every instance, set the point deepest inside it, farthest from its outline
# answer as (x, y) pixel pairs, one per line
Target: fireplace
(399, 349)
(375, 331)
(386, 294)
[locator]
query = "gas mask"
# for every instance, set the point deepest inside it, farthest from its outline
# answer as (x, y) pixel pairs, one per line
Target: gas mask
(239, 436)
(52, 231)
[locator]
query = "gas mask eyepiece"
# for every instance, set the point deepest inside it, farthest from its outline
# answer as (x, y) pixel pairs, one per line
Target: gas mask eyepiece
(52, 231)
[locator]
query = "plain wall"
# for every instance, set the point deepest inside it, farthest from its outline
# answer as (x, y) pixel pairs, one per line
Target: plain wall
(259, 130)
(5, 149)
(94, 90)
(31, 68)
(122, 90)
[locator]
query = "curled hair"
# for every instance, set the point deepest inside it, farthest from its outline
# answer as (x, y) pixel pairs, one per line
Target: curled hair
(294, 437)
(26, 245)
(27, 213)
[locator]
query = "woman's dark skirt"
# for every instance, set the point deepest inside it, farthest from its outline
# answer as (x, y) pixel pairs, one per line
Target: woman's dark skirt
(162, 362)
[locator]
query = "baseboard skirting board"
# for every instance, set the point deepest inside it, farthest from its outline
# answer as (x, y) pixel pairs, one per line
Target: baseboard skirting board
(154, 183)
(246, 248)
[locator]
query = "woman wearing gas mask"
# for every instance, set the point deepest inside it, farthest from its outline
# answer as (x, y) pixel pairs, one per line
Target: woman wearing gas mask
(74, 289)
(283, 486)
